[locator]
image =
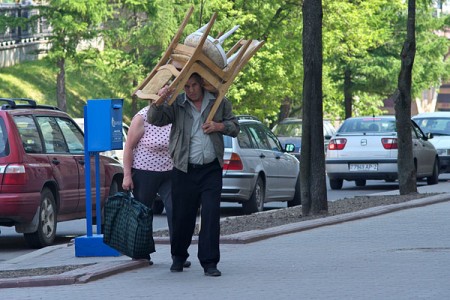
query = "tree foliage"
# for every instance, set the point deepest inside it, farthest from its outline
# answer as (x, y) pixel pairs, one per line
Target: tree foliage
(72, 22)
(361, 41)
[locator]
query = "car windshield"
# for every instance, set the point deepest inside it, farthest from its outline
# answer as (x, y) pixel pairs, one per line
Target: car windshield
(368, 125)
(437, 126)
(288, 129)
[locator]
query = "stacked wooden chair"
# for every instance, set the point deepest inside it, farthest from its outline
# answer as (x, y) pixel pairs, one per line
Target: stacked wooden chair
(202, 54)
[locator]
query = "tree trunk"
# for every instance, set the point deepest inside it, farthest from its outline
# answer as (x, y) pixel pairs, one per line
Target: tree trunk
(61, 85)
(134, 100)
(406, 164)
(285, 108)
(348, 93)
(312, 164)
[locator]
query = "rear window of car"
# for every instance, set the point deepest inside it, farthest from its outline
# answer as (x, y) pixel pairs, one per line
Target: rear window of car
(368, 125)
(4, 142)
(28, 133)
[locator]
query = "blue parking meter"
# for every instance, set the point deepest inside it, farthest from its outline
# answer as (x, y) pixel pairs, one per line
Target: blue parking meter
(104, 125)
(102, 132)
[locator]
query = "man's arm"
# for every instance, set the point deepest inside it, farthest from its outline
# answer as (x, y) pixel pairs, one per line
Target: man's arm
(161, 114)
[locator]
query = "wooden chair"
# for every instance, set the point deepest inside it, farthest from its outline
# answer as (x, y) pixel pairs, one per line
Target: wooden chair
(180, 61)
(222, 84)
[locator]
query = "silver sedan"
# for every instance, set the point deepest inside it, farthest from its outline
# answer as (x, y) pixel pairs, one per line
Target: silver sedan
(366, 148)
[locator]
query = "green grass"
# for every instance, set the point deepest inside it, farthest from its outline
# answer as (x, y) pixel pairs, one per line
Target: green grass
(37, 80)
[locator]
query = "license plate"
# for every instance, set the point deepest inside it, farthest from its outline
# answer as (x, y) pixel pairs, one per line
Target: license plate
(363, 167)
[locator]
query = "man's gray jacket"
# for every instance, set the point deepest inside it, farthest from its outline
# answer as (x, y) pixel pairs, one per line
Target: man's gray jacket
(179, 115)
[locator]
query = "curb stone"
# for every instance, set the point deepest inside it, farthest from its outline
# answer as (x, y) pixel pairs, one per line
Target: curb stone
(80, 275)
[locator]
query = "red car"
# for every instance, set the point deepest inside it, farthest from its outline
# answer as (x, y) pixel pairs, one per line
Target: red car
(42, 170)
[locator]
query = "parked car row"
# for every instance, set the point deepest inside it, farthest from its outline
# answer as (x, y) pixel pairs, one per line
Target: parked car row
(42, 166)
(42, 170)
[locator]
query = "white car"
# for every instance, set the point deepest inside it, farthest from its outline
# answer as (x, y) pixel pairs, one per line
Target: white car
(437, 125)
(257, 168)
(365, 148)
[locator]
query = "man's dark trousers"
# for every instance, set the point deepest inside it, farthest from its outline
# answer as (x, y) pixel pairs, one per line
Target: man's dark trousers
(201, 185)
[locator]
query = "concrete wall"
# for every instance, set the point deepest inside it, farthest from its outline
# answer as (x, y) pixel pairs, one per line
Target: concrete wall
(30, 49)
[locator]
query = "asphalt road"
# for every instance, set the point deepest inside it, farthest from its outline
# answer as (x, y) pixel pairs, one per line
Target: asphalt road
(12, 244)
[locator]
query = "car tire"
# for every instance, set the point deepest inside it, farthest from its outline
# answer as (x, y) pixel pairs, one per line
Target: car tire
(434, 178)
(46, 232)
(360, 182)
(256, 201)
(336, 184)
(157, 206)
(297, 200)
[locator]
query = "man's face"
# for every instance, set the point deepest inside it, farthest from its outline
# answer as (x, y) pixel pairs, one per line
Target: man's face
(193, 90)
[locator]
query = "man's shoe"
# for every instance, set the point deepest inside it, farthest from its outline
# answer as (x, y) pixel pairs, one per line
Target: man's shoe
(214, 272)
(177, 266)
(186, 264)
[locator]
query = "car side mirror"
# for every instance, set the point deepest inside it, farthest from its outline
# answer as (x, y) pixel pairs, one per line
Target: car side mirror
(289, 147)
(429, 135)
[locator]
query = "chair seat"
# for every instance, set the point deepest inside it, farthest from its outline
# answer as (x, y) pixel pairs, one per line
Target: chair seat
(212, 48)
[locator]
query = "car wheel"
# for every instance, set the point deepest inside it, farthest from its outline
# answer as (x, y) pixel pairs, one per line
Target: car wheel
(434, 178)
(336, 184)
(360, 182)
(297, 200)
(46, 231)
(157, 206)
(256, 201)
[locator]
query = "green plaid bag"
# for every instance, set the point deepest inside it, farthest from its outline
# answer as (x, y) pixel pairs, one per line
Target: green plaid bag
(128, 226)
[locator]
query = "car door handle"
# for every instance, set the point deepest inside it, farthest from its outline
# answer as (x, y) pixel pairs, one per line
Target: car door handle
(55, 161)
(262, 156)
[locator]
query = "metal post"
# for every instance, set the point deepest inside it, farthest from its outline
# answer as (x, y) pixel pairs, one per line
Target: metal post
(87, 176)
(98, 208)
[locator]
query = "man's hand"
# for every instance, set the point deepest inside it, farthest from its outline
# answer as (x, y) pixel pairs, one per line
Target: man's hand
(211, 126)
(165, 93)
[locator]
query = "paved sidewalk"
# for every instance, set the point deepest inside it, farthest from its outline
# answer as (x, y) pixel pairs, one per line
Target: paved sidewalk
(403, 254)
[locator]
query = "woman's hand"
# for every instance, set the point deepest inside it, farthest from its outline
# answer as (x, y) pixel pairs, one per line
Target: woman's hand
(127, 183)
